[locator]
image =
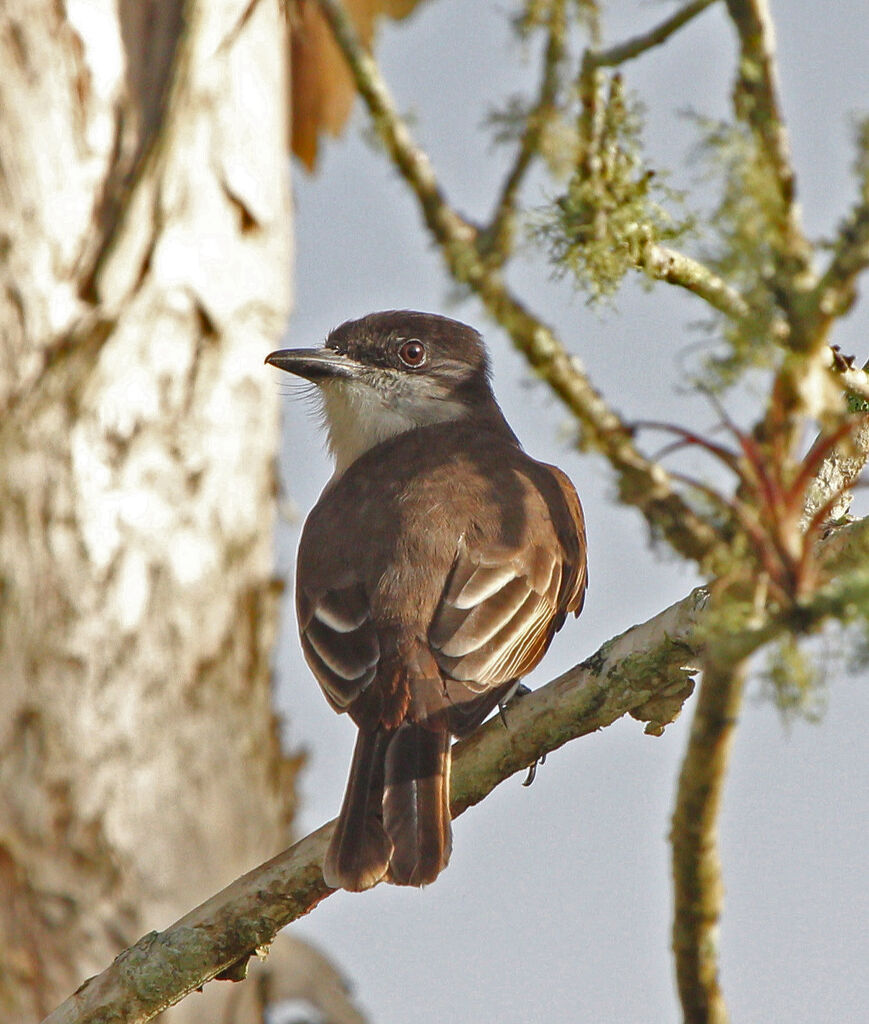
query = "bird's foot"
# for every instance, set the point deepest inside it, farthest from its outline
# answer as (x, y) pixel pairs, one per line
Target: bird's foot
(532, 770)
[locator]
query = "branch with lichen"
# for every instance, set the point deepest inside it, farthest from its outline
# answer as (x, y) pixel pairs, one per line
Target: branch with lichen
(641, 482)
(855, 381)
(645, 672)
(729, 635)
(836, 290)
(666, 264)
(698, 889)
(802, 388)
(608, 222)
(842, 465)
(756, 102)
(793, 575)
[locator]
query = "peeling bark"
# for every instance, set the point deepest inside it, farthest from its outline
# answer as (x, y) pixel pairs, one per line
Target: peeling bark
(144, 273)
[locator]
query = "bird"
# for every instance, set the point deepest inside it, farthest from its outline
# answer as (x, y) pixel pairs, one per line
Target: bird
(432, 574)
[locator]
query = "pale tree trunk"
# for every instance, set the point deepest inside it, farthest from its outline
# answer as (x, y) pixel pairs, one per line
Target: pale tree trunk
(144, 274)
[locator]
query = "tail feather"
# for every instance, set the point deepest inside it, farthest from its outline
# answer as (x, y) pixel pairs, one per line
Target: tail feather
(416, 808)
(359, 851)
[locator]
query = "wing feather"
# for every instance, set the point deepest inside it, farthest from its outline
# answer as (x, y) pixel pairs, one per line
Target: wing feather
(343, 610)
(483, 582)
(340, 641)
(348, 654)
(460, 631)
(497, 614)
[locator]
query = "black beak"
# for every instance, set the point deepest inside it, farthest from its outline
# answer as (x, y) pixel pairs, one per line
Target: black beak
(315, 364)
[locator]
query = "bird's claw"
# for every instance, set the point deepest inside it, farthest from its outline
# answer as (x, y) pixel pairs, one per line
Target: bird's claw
(532, 770)
(520, 691)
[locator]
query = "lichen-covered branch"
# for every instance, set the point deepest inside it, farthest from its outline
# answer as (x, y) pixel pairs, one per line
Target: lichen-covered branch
(792, 286)
(698, 888)
(855, 381)
(645, 672)
(697, 883)
(608, 222)
(666, 264)
(756, 101)
(836, 290)
(649, 661)
(838, 473)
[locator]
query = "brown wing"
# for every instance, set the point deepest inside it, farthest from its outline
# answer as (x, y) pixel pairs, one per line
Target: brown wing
(571, 533)
(339, 640)
(496, 615)
(491, 623)
(494, 621)
(503, 603)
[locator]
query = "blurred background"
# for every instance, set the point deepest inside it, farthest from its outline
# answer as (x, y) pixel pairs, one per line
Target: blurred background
(556, 903)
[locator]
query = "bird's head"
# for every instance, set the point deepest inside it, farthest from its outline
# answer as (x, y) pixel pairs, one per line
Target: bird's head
(391, 372)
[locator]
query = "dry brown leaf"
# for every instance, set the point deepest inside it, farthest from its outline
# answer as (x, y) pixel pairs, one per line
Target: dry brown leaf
(322, 90)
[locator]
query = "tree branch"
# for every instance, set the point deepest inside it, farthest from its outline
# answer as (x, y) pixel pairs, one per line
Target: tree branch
(836, 291)
(697, 878)
(756, 100)
(642, 483)
(636, 47)
(627, 674)
(855, 380)
(666, 264)
(496, 239)
(840, 469)
(645, 672)
(698, 887)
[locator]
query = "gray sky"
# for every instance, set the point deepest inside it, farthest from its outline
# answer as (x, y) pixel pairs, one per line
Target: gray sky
(556, 904)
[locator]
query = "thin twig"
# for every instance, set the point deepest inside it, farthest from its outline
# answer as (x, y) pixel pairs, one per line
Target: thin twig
(641, 482)
(836, 290)
(636, 47)
(697, 883)
(756, 100)
(666, 264)
(497, 237)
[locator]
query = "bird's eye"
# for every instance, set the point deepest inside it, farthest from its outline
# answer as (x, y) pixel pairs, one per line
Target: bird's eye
(412, 353)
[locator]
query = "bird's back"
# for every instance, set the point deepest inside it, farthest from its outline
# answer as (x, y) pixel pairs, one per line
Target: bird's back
(420, 563)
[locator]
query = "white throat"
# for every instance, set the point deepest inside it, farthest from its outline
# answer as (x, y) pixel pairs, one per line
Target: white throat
(358, 416)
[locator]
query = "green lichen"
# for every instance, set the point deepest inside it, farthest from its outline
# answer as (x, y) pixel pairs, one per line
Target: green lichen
(741, 244)
(600, 227)
(794, 681)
